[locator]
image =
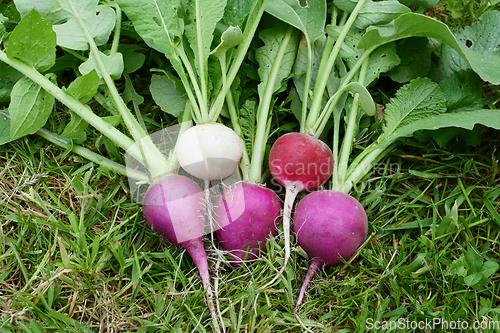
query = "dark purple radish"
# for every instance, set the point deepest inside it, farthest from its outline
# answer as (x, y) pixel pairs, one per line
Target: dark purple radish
(330, 226)
(174, 208)
(300, 162)
(246, 215)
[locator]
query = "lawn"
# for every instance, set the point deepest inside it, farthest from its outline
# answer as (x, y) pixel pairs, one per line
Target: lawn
(77, 256)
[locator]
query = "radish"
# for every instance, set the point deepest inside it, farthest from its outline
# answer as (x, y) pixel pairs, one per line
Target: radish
(300, 162)
(174, 209)
(330, 226)
(209, 151)
(246, 214)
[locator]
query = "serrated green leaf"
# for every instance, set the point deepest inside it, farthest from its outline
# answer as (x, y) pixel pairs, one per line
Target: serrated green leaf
(30, 107)
(482, 61)
(67, 17)
(480, 43)
(414, 101)
(463, 91)
(267, 54)
(415, 55)
(34, 42)
(300, 68)
(200, 20)
(113, 64)
(382, 60)
(4, 129)
(465, 119)
(3, 22)
(166, 96)
(247, 118)
(157, 22)
(310, 18)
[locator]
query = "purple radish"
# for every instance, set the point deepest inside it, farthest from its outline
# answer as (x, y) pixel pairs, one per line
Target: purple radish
(300, 162)
(174, 208)
(329, 226)
(246, 214)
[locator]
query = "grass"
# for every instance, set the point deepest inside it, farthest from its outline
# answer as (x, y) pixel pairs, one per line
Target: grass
(76, 256)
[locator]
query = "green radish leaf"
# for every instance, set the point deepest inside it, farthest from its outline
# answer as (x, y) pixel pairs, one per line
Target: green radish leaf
(236, 13)
(30, 107)
(416, 100)
(379, 12)
(229, 39)
(166, 96)
(4, 129)
(366, 102)
(34, 42)
(3, 21)
(267, 54)
(73, 19)
(373, 12)
(415, 54)
(157, 22)
(200, 20)
(465, 119)
(463, 91)
(248, 119)
(482, 61)
(382, 60)
(84, 87)
(113, 63)
(481, 40)
(420, 3)
(310, 19)
(300, 68)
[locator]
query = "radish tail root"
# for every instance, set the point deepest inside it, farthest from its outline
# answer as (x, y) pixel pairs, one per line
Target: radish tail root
(197, 252)
(313, 268)
(315, 264)
(290, 195)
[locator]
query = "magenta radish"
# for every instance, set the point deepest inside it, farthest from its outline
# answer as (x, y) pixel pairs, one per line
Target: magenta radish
(174, 208)
(251, 209)
(300, 162)
(246, 215)
(330, 226)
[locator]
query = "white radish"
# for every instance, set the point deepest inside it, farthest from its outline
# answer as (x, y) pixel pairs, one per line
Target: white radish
(209, 151)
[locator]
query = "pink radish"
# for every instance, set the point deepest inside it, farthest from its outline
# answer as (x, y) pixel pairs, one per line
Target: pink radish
(246, 213)
(174, 208)
(299, 162)
(329, 226)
